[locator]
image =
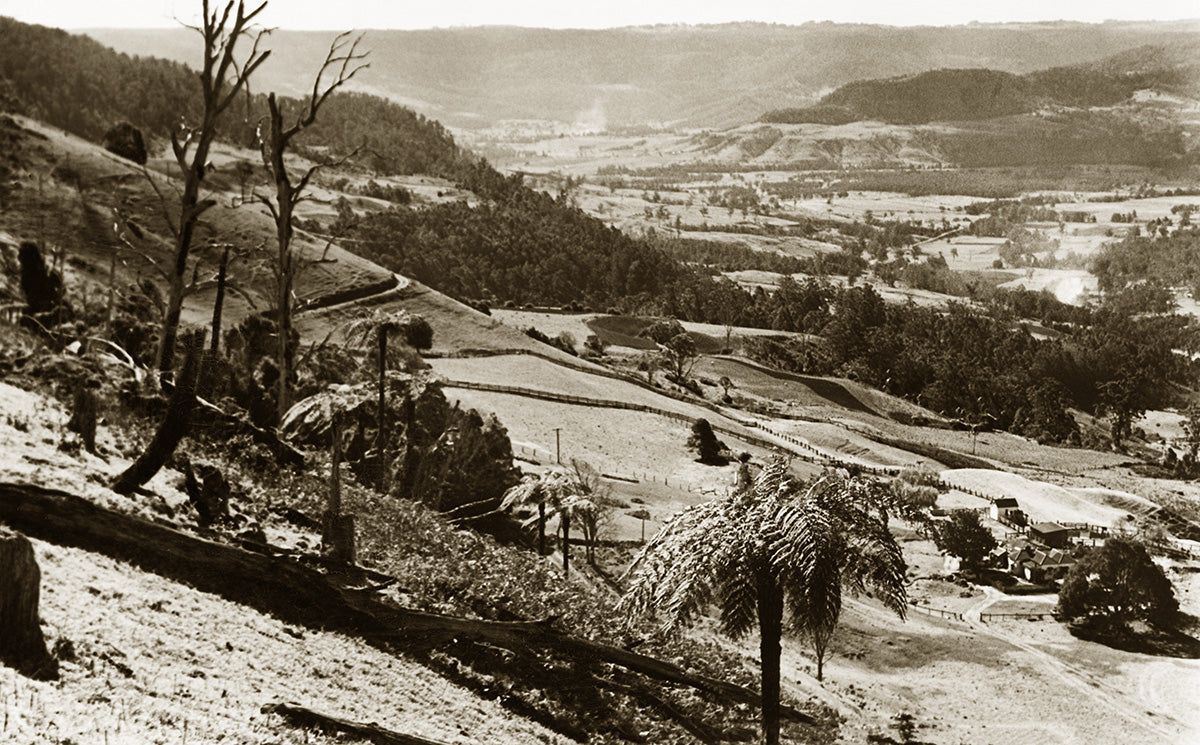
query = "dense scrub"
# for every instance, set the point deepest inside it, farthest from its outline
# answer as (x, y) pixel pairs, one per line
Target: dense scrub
(1168, 260)
(519, 245)
(442, 568)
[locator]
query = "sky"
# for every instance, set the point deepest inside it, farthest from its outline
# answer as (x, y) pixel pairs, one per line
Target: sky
(379, 14)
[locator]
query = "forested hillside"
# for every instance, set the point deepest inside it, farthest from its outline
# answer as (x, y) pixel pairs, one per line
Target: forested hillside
(76, 83)
(971, 94)
(519, 244)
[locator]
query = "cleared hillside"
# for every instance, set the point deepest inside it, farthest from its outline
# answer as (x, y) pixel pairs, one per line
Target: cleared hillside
(155, 660)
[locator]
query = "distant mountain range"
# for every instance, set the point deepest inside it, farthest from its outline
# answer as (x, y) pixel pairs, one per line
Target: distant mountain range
(704, 76)
(977, 93)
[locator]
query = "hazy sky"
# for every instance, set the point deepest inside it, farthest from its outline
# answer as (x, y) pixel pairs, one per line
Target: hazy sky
(344, 14)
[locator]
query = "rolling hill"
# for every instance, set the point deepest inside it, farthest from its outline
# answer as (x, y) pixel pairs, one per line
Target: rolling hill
(978, 93)
(710, 76)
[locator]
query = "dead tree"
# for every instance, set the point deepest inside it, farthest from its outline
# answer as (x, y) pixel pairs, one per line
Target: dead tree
(219, 303)
(302, 716)
(275, 138)
(221, 77)
(174, 425)
(22, 645)
(337, 530)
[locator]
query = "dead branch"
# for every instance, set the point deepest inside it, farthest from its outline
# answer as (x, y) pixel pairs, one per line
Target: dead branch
(310, 718)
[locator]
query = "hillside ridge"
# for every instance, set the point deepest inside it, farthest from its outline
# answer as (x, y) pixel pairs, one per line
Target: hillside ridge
(706, 76)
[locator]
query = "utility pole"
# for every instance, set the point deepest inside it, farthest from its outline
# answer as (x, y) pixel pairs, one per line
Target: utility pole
(557, 446)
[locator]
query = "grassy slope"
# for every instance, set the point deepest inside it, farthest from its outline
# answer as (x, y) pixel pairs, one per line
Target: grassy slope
(48, 205)
(157, 661)
(192, 660)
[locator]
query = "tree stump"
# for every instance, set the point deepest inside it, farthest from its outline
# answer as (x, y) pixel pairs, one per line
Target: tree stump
(84, 415)
(341, 543)
(22, 645)
(208, 491)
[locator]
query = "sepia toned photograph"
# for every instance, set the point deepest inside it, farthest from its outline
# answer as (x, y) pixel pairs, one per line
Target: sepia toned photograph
(616, 373)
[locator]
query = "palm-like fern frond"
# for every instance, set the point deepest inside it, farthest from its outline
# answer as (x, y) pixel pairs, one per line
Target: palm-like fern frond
(672, 577)
(772, 537)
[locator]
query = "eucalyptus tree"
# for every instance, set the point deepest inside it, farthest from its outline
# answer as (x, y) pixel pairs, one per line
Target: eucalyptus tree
(774, 550)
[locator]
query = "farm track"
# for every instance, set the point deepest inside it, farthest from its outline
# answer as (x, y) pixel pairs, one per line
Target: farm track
(1083, 682)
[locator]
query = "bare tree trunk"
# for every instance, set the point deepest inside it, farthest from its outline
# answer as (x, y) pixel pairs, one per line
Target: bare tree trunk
(381, 434)
(347, 63)
(219, 303)
(566, 542)
(286, 196)
(84, 413)
(165, 355)
(174, 425)
(541, 528)
(221, 77)
(337, 530)
(770, 628)
(310, 718)
(22, 645)
(283, 326)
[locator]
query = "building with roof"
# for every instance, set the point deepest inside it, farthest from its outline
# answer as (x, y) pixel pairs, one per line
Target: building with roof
(1007, 510)
(1050, 534)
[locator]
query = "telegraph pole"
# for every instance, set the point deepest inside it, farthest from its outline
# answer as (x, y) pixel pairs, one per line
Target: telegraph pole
(557, 446)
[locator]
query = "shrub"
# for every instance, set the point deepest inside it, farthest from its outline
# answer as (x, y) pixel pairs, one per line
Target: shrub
(1118, 583)
(126, 140)
(965, 536)
(703, 440)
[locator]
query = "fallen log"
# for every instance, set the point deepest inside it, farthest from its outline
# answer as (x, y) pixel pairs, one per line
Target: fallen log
(310, 718)
(305, 596)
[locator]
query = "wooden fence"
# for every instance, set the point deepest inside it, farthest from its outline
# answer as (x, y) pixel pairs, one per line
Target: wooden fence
(1030, 616)
(938, 612)
(796, 446)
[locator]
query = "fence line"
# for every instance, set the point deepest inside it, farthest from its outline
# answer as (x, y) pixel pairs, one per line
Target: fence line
(1031, 616)
(798, 448)
(953, 616)
(570, 363)
(533, 456)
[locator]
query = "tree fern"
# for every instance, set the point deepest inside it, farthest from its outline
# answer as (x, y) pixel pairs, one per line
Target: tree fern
(771, 546)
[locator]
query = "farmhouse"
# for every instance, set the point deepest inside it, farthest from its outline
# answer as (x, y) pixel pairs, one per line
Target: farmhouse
(1006, 510)
(1050, 534)
(1047, 566)
(1037, 564)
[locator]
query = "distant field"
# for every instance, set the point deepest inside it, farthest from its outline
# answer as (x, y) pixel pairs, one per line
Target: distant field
(888, 206)
(1045, 502)
(628, 443)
